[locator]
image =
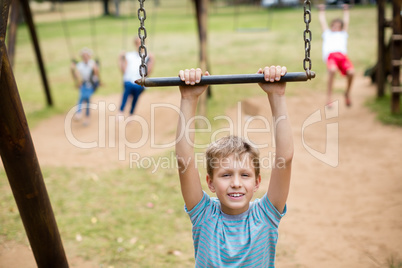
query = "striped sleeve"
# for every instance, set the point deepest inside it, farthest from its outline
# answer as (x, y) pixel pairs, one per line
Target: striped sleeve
(269, 211)
(196, 214)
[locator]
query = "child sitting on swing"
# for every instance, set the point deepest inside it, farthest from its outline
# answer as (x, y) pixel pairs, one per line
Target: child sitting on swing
(86, 78)
(230, 230)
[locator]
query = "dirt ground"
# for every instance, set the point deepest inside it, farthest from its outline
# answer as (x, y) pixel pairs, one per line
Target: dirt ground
(345, 203)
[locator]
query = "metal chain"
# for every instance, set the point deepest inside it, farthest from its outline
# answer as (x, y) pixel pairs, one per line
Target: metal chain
(307, 38)
(142, 34)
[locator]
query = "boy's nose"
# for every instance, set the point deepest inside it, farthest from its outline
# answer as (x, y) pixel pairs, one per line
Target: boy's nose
(236, 181)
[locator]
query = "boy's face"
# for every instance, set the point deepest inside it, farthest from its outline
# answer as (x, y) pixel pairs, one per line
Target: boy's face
(85, 56)
(336, 26)
(234, 183)
(137, 43)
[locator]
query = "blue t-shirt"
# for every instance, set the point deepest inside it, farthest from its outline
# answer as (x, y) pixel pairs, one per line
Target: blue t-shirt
(245, 240)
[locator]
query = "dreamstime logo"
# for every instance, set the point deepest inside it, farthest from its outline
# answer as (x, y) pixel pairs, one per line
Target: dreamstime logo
(108, 126)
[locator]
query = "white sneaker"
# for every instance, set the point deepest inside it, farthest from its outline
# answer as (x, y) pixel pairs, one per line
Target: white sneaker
(86, 122)
(77, 117)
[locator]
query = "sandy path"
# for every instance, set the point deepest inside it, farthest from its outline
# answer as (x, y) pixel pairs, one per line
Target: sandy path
(349, 215)
(108, 142)
(344, 208)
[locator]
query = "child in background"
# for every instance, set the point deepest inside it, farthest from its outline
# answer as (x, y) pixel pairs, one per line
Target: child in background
(230, 230)
(129, 65)
(86, 78)
(334, 51)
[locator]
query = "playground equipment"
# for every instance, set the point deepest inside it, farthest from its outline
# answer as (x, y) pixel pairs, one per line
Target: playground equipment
(223, 79)
(93, 78)
(389, 54)
(21, 163)
(92, 32)
(12, 37)
(201, 7)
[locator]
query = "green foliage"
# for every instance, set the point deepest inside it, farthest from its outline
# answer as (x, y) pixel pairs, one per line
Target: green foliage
(394, 263)
(113, 217)
(382, 107)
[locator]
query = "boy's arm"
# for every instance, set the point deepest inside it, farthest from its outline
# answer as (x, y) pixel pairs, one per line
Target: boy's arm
(346, 17)
(189, 177)
(280, 177)
(96, 69)
(122, 62)
(321, 17)
(150, 63)
(75, 74)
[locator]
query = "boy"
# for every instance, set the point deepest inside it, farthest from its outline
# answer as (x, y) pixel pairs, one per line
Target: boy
(129, 66)
(334, 51)
(86, 78)
(231, 231)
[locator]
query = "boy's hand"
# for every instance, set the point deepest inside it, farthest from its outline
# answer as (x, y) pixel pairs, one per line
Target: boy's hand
(191, 78)
(272, 74)
(122, 55)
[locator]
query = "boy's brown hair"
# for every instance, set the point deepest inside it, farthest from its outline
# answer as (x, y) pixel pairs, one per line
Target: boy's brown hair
(337, 20)
(226, 146)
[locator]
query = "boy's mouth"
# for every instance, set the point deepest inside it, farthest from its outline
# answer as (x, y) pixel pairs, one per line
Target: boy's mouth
(235, 195)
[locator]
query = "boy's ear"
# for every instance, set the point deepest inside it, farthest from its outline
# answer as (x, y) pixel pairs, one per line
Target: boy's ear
(210, 184)
(257, 183)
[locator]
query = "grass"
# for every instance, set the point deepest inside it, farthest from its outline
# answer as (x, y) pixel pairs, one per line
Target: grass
(133, 217)
(394, 263)
(381, 106)
(127, 230)
(111, 218)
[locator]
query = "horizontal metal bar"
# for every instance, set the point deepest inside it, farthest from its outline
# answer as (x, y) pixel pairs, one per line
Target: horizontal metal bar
(222, 79)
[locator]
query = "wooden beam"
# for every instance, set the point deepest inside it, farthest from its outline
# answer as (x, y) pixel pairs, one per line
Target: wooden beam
(396, 54)
(201, 7)
(25, 177)
(380, 75)
(4, 10)
(29, 20)
(22, 167)
(12, 31)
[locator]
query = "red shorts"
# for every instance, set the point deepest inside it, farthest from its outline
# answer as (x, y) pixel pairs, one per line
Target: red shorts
(340, 61)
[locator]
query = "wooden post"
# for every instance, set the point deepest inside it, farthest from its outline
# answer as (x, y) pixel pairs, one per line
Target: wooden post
(12, 31)
(396, 55)
(29, 20)
(22, 167)
(201, 7)
(381, 49)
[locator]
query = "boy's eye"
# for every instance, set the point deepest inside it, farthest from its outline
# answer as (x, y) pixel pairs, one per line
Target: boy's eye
(226, 175)
(246, 175)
